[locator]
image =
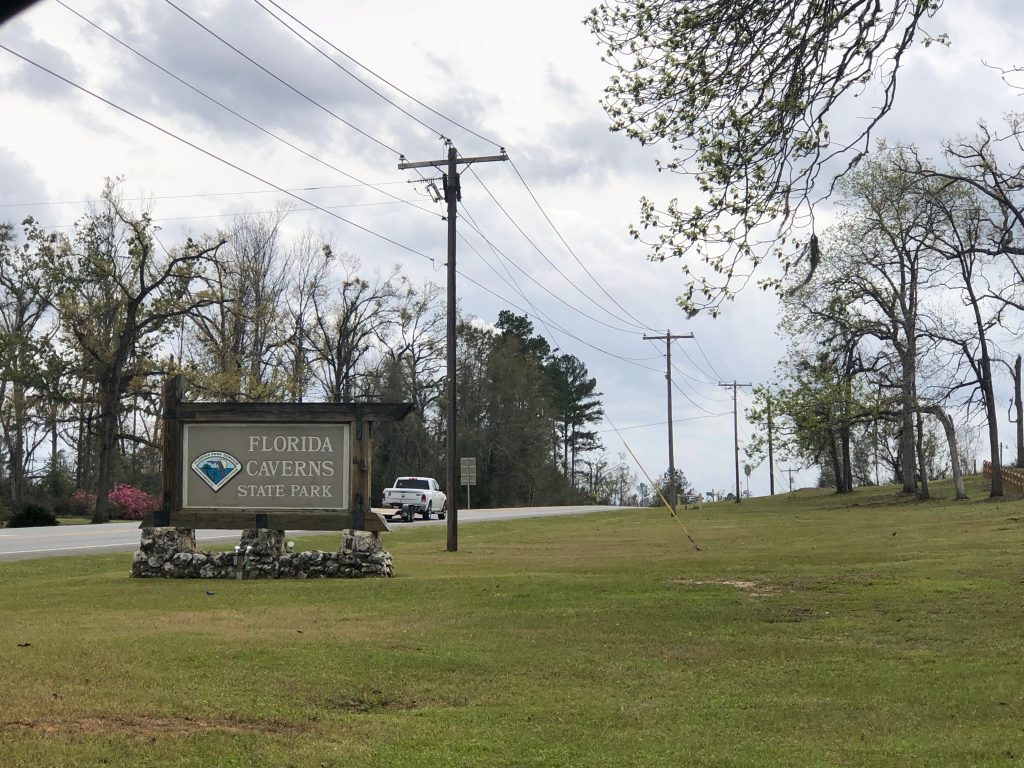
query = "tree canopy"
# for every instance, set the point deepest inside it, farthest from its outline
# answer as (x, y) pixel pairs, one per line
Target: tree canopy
(741, 91)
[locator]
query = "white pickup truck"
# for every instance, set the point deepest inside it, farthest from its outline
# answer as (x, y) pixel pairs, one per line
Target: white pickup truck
(410, 496)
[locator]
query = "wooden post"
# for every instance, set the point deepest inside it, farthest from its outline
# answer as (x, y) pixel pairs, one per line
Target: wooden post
(360, 471)
(173, 393)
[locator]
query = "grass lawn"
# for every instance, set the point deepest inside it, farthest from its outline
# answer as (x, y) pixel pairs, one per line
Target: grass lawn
(812, 630)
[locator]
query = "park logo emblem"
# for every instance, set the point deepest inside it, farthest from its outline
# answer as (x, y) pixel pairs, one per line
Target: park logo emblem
(216, 468)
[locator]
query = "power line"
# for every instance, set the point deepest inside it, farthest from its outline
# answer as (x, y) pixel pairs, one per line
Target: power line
(569, 248)
(662, 423)
(563, 330)
(284, 82)
(683, 373)
(212, 155)
(348, 72)
(543, 255)
(239, 214)
(511, 281)
(543, 317)
(701, 350)
(431, 128)
(543, 287)
(696, 366)
(285, 191)
(206, 194)
(689, 399)
(223, 106)
(382, 78)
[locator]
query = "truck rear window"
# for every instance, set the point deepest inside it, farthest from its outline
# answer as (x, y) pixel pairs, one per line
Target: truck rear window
(410, 482)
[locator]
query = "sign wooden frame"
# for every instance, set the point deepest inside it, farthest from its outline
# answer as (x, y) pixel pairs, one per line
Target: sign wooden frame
(355, 513)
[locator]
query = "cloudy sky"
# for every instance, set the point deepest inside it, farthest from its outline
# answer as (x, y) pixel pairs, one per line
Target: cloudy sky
(527, 78)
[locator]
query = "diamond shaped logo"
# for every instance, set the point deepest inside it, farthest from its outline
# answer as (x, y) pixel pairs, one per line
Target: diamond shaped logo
(216, 468)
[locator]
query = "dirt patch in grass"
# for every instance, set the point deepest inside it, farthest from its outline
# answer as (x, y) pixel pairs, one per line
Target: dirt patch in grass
(750, 587)
(374, 701)
(791, 614)
(143, 726)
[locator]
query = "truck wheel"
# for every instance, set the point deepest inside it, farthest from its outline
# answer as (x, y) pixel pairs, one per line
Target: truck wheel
(426, 513)
(444, 512)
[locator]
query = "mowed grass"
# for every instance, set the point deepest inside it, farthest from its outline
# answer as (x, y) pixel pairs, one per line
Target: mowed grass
(811, 630)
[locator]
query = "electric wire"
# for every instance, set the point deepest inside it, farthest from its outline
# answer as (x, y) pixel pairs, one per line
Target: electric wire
(212, 155)
(344, 69)
(223, 106)
(701, 350)
(696, 405)
(383, 79)
(510, 281)
(284, 82)
(544, 319)
(430, 128)
(571, 251)
(539, 284)
(563, 330)
(683, 373)
(543, 255)
(205, 194)
(653, 484)
(282, 190)
(663, 423)
(237, 214)
(696, 367)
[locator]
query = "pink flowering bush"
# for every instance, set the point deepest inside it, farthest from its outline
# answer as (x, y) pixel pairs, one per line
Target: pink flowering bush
(83, 503)
(130, 503)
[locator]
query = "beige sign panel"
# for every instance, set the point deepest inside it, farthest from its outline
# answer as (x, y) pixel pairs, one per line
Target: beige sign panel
(266, 466)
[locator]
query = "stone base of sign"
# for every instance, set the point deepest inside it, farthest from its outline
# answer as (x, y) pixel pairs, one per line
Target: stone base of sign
(261, 554)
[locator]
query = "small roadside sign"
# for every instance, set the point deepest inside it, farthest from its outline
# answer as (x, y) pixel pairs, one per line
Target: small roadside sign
(468, 466)
(468, 471)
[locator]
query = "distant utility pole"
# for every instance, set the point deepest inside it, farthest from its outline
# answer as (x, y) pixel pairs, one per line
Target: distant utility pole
(736, 432)
(452, 195)
(771, 448)
(667, 338)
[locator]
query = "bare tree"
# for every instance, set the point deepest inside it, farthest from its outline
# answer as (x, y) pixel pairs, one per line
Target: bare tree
(118, 298)
(236, 333)
(348, 329)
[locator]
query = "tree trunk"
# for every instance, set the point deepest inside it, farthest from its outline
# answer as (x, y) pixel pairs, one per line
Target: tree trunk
(907, 448)
(954, 454)
(108, 446)
(922, 463)
(1018, 405)
(847, 477)
(837, 470)
(993, 425)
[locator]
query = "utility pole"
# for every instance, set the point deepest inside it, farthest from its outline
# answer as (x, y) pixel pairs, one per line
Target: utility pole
(790, 471)
(667, 338)
(452, 195)
(771, 449)
(736, 432)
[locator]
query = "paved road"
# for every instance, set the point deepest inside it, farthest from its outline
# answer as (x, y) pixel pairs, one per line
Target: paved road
(22, 543)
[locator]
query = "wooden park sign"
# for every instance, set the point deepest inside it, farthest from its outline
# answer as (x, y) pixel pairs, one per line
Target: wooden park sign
(299, 466)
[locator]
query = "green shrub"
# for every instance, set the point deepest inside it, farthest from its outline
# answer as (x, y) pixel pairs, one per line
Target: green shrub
(31, 515)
